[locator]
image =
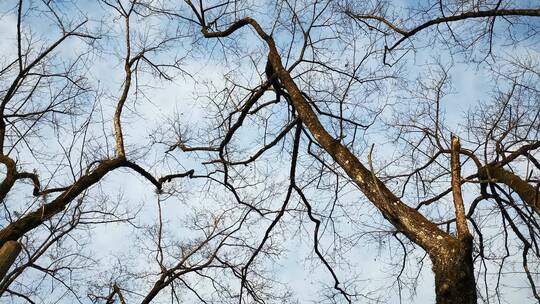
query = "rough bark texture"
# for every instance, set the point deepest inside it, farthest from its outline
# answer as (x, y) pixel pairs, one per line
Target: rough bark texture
(454, 274)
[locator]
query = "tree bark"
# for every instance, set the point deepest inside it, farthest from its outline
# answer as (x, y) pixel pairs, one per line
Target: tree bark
(526, 191)
(451, 257)
(454, 274)
(453, 264)
(8, 253)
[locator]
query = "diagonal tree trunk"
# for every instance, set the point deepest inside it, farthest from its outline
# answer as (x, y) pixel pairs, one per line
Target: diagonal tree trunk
(451, 256)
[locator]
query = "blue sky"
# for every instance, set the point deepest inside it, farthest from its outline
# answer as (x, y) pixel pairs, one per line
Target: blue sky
(143, 116)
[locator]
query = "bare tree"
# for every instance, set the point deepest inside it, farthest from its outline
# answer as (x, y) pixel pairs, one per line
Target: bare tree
(313, 63)
(62, 132)
(329, 122)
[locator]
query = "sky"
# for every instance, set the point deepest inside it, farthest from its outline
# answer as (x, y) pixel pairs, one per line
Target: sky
(296, 268)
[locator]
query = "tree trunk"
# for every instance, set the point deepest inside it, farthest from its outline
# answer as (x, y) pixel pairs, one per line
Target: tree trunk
(452, 257)
(454, 274)
(8, 253)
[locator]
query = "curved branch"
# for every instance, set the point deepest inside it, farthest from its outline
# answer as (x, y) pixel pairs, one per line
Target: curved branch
(468, 15)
